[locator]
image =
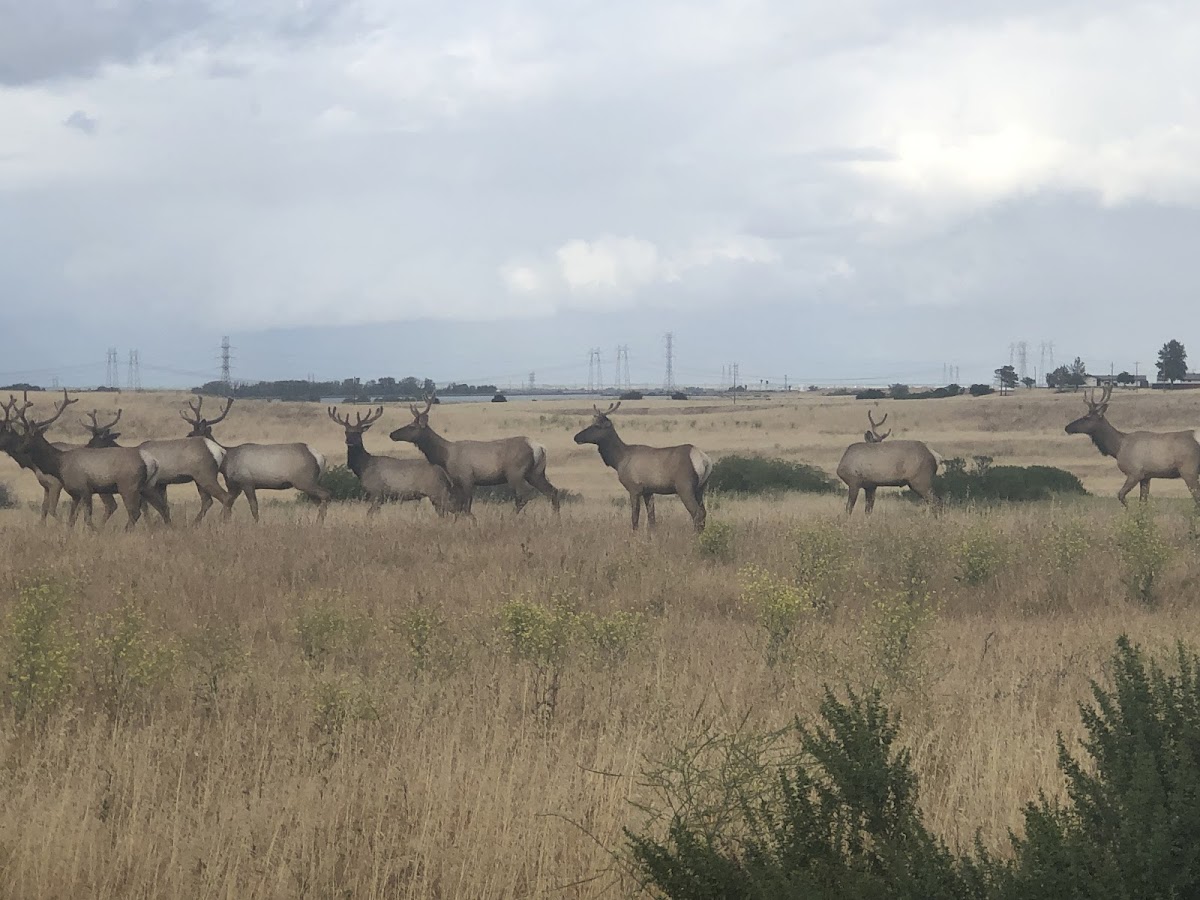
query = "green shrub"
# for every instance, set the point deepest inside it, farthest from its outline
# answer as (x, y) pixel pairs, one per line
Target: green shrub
(980, 390)
(822, 559)
(778, 605)
(337, 702)
(42, 649)
(895, 630)
(215, 652)
(503, 494)
(1144, 552)
(342, 483)
(612, 638)
(128, 662)
(736, 474)
(427, 638)
(742, 816)
(324, 630)
(980, 555)
(716, 541)
(991, 483)
(541, 637)
(8, 497)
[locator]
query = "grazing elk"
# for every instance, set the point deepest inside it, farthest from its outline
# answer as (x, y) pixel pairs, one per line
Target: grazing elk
(871, 464)
(1141, 455)
(86, 471)
(249, 468)
(516, 461)
(387, 478)
(646, 471)
(195, 460)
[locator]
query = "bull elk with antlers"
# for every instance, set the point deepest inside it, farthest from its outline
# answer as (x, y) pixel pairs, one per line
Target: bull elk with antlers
(871, 464)
(87, 471)
(645, 471)
(387, 478)
(194, 460)
(1141, 455)
(249, 468)
(515, 461)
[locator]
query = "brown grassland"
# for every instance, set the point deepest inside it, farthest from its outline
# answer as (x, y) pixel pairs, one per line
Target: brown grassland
(350, 710)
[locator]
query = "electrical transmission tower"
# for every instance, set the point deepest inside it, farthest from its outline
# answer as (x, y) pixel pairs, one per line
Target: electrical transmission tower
(1023, 360)
(112, 377)
(532, 381)
(595, 378)
(226, 363)
(621, 375)
(669, 384)
(133, 377)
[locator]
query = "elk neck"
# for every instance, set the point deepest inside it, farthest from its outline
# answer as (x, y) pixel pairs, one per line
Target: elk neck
(1107, 439)
(612, 449)
(357, 457)
(435, 447)
(44, 456)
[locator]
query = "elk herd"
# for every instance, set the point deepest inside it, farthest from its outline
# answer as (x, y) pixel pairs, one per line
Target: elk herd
(450, 471)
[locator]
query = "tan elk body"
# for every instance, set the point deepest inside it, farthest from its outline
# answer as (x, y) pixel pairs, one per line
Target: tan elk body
(192, 460)
(515, 461)
(1141, 455)
(872, 463)
(249, 468)
(388, 478)
(644, 471)
(87, 471)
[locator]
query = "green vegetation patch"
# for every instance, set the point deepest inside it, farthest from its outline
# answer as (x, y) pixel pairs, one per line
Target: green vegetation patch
(988, 483)
(763, 475)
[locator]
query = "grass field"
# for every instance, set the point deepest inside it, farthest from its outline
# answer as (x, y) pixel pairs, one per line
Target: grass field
(416, 707)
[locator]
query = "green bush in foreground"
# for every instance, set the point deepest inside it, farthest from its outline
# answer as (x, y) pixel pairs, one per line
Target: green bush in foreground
(762, 475)
(838, 816)
(343, 483)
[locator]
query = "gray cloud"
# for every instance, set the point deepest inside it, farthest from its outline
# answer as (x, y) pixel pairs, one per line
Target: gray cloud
(946, 177)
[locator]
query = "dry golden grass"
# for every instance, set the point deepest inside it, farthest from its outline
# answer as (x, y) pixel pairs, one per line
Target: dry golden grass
(366, 771)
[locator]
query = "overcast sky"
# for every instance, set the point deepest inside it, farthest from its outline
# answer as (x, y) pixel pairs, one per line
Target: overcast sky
(863, 190)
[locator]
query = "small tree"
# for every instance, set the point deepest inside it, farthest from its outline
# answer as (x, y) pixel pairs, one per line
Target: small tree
(899, 391)
(1028, 382)
(1059, 378)
(1077, 375)
(1172, 362)
(1125, 378)
(1007, 377)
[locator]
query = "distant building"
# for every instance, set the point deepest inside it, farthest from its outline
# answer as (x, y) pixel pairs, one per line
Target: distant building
(1122, 380)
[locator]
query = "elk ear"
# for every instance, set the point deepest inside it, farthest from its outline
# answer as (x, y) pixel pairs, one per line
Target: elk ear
(113, 435)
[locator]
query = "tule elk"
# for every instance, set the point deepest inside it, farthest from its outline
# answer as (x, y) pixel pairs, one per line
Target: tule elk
(388, 478)
(645, 471)
(871, 464)
(1141, 455)
(249, 468)
(515, 461)
(87, 471)
(192, 460)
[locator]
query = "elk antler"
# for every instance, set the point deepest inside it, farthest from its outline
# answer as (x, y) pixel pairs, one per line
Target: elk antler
(611, 409)
(1095, 405)
(345, 423)
(40, 426)
(371, 419)
(97, 429)
(224, 412)
(417, 413)
(875, 425)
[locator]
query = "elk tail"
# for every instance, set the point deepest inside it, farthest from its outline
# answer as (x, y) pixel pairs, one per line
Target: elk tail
(320, 458)
(151, 469)
(702, 464)
(539, 456)
(938, 459)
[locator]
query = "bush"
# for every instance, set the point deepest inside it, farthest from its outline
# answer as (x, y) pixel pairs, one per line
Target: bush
(631, 395)
(503, 494)
(747, 818)
(980, 390)
(42, 650)
(871, 394)
(716, 541)
(778, 605)
(343, 483)
(8, 498)
(760, 475)
(987, 482)
(1143, 551)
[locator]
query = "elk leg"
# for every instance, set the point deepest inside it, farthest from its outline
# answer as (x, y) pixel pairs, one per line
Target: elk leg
(1125, 489)
(52, 491)
(74, 511)
(323, 496)
(1192, 480)
(1144, 493)
(851, 498)
(252, 499)
(694, 505)
(207, 489)
(157, 497)
(133, 507)
(110, 506)
(517, 482)
(648, 499)
(227, 511)
(869, 494)
(376, 505)
(542, 484)
(635, 507)
(206, 501)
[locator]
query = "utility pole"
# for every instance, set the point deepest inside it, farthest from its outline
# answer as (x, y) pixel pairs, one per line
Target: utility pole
(734, 370)
(112, 377)
(669, 384)
(134, 374)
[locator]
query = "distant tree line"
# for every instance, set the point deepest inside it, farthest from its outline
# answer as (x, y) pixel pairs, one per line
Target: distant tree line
(353, 390)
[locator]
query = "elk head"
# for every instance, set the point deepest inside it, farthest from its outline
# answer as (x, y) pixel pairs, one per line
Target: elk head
(417, 426)
(102, 435)
(34, 429)
(1094, 419)
(202, 427)
(873, 436)
(354, 430)
(601, 426)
